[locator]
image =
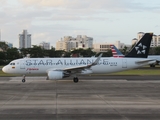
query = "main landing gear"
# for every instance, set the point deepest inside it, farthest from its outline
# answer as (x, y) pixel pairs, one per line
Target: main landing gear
(75, 79)
(152, 65)
(24, 80)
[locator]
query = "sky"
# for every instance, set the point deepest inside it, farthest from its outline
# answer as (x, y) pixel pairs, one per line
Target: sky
(106, 21)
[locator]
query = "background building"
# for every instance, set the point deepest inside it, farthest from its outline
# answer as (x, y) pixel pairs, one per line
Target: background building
(69, 43)
(10, 45)
(45, 45)
(103, 47)
(24, 40)
(155, 39)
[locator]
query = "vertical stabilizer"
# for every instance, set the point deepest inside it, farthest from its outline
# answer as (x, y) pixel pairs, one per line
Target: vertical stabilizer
(116, 53)
(141, 49)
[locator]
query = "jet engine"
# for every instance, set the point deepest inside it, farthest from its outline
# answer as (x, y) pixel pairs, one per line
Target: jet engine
(56, 75)
(86, 71)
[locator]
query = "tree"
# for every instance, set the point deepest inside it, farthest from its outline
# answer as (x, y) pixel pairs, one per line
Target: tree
(124, 50)
(3, 46)
(108, 53)
(36, 51)
(51, 52)
(67, 54)
(59, 53)
(24, 52)
(157, 50)
(152, 51)
(12, 53)
(3, 58)
(83, 52)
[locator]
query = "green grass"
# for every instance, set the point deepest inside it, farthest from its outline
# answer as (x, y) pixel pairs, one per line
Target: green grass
(7, 75)
(139, 72)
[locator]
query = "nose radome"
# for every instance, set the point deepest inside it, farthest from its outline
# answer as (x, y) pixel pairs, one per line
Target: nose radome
(4, 69)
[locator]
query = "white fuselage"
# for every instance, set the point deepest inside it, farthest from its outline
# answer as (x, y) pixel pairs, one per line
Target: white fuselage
(43, 65)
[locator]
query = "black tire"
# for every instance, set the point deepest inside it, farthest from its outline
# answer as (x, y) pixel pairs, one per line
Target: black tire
(152, 65)
(23, 80)
(75, 79)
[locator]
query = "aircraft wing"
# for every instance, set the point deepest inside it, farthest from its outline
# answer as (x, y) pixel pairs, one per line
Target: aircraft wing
(149, 61)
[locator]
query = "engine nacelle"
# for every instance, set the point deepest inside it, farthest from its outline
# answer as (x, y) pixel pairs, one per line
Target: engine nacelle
(86, 71)
(56, 75)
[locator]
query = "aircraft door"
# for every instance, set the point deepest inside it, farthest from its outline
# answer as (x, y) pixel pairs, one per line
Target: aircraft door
(124, 63)
(22, 64)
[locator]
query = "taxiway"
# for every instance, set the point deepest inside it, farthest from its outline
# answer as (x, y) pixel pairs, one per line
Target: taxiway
(93, 98)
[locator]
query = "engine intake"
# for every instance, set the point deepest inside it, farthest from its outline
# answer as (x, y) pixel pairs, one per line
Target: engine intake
(56, 75)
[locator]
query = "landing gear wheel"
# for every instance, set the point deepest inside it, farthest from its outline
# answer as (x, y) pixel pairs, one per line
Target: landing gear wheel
(23, 80)
(152, 65)
(75, 79)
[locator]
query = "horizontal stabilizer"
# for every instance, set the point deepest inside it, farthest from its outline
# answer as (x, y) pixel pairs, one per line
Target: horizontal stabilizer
(149, 61)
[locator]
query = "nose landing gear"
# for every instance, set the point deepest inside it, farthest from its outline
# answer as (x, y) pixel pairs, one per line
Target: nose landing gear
(75, 79)
(23, 79)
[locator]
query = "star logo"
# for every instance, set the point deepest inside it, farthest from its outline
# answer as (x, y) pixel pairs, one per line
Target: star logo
(141, 49)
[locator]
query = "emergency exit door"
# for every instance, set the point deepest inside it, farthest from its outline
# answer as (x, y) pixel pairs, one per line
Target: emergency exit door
(22, 64)
(124, 63)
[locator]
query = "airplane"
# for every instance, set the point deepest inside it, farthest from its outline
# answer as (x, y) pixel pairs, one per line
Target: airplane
(59, 68)
(117, 54)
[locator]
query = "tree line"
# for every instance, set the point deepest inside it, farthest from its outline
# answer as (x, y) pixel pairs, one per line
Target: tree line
(8, 54)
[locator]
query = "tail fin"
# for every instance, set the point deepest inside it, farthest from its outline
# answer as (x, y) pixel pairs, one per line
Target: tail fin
(116, 53)
(141, 49)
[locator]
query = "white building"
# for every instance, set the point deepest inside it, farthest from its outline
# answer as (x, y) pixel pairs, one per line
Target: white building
(69, 43)
(24, 40)
(155, 39)
(45, 45)
(103, 47)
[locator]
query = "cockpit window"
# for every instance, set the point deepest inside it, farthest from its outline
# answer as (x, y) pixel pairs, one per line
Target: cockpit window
(12, 63)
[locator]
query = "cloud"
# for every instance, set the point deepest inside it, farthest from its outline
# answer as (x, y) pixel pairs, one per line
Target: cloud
(53, 10)
(3, 2)
(108, 5)
(55, 3)
(49, 20)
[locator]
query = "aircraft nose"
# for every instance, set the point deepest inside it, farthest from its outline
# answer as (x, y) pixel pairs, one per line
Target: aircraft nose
(4, 69)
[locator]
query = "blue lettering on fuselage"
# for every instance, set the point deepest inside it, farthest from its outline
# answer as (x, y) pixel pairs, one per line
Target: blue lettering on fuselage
(59, 62)
(48, 62)
(68, 62)
(41, 62)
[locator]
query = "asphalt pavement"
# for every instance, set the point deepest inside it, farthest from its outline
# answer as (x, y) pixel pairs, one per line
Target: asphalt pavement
(92, 98)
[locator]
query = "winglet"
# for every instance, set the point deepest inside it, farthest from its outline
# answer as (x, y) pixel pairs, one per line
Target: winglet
(97, 60)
